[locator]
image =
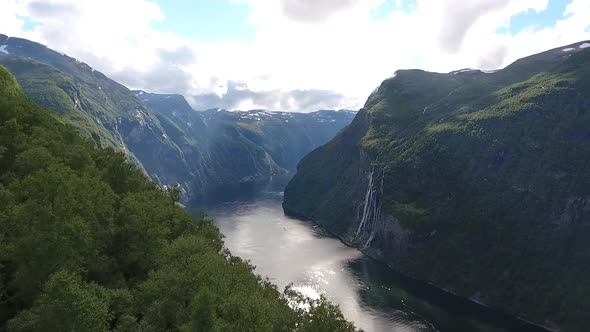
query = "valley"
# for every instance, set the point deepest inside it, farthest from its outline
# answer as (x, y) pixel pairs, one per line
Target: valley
(370, 294)
(200, 151)
(450, 202)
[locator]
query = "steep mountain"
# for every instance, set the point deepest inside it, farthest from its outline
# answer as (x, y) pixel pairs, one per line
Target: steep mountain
(287, 137)
(100, 107)
(223, 148)
(203, 152)
(477, 182)
(89, 243)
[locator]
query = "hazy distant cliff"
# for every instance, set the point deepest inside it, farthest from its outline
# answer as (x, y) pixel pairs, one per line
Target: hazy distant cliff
(201, 151)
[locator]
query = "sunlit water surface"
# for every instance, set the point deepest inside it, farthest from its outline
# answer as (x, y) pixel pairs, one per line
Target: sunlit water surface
(375, 298)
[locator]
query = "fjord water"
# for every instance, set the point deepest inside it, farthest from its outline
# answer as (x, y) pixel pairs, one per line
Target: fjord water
(370, 294)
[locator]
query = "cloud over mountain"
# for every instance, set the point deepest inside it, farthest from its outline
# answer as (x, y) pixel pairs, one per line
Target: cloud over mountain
(314, 10)
(239, 96)
(304, 54)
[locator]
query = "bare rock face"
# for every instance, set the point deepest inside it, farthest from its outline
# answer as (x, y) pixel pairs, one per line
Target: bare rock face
(573, 210)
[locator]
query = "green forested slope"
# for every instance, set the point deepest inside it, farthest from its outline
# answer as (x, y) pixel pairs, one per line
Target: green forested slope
(58, 91)
(88, 243)
(480, 183)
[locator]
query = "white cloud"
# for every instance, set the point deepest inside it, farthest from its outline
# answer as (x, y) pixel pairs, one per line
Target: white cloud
(301, 48)
(10, 23)
(313, 10)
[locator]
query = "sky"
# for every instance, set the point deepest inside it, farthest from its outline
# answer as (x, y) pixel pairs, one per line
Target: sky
(290, 55)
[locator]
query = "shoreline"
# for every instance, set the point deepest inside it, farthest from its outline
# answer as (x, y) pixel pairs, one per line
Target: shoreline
(439, 289)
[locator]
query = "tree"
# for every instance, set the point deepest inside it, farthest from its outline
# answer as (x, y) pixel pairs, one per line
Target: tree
(66, 304)
(88, 243)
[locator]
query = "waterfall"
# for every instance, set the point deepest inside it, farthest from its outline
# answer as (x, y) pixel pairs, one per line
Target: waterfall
(367, 206)
(370, 220)
(374, 225)
(370, 239)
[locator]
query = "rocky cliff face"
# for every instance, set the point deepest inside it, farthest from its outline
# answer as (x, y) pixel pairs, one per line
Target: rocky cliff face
(476, 182)
(203, 152)
(224, 149)
(99, 107)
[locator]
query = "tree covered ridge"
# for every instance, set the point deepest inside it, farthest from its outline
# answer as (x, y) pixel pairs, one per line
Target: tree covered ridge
(88, 243)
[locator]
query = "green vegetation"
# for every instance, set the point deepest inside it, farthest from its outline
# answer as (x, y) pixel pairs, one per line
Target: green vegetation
(56, 91)
(162, 134)
(487, 175)
(88, 243)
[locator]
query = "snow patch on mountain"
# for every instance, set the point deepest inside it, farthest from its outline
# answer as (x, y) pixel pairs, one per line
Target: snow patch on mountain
(465, 70)
(3, 49)
(585, 45)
